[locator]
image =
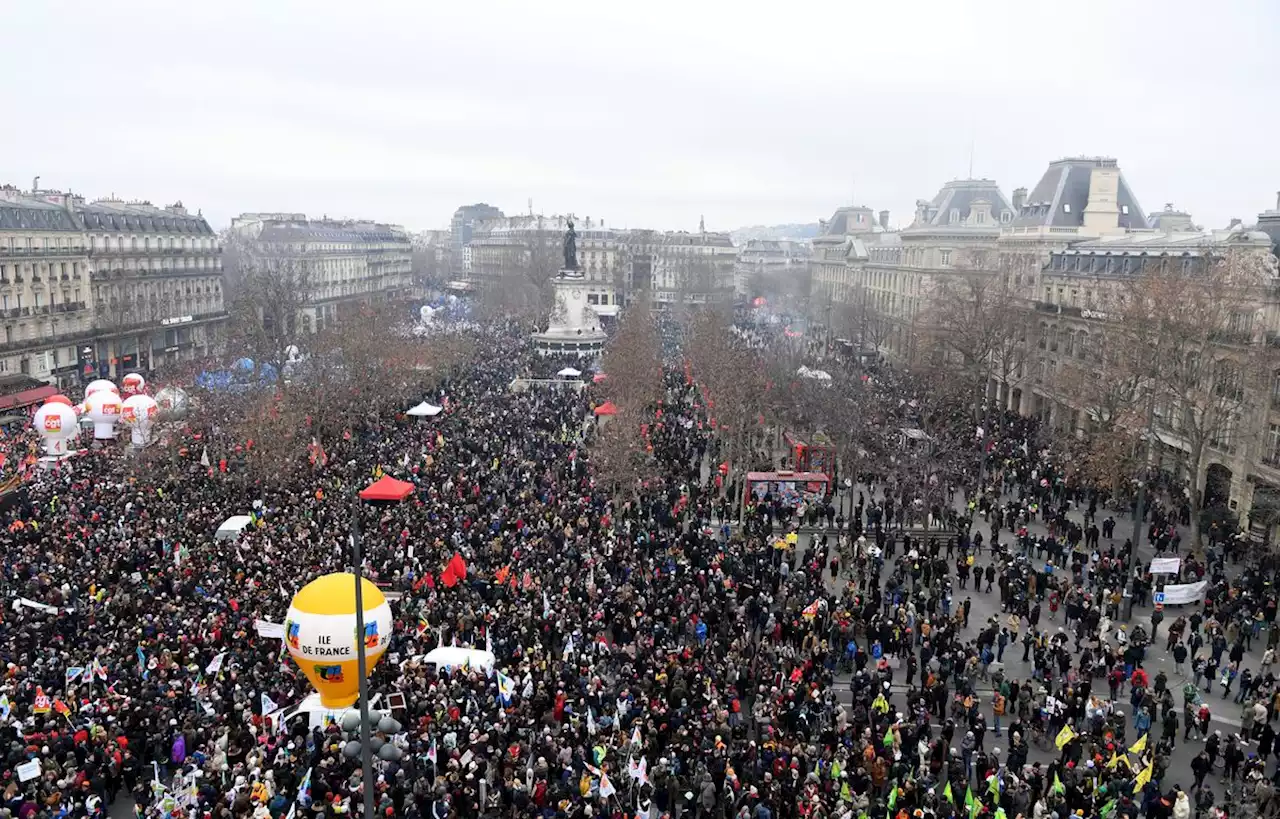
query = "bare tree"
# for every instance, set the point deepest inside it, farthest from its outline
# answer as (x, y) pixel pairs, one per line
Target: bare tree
(267, 311)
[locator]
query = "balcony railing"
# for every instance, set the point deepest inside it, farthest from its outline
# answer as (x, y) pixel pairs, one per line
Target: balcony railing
(100, 252)
(74, 250)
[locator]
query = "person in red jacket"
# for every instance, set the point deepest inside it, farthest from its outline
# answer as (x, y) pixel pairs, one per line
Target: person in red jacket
(1139, 678)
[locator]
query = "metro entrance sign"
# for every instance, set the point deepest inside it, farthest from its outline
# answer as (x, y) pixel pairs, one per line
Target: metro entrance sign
(1158, 599)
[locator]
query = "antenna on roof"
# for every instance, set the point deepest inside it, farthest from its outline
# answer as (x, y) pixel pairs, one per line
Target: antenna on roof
(35, 184)
(971, 157)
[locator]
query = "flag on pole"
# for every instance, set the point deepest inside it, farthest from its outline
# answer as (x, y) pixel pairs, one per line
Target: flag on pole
(215, 665)
(893, 794)
(42, 704)
(591, 722)
(5, 708)
(73, 673)
(431, 751)
(1058, 787)
(1139, 746)
(506, 689)
(1064, 736)
(606, 787)
(99, 670)
(1144, 776)
(811, 611)
(546, 605)
(304, 791)
(635, 737)
(888, 736)
(268, 705)
(947, 795)
(568, 650)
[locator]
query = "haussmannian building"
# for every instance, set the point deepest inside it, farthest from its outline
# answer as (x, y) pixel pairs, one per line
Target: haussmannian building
(345, 262)
(98, 289)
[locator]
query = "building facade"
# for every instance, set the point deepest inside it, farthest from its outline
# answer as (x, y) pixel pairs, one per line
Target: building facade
(342, 263)
(682, 268)
(102, 288)
(157, 284)
(462, 228)
(530, 250)
(46, 298)
(760, 261)
(955, 233)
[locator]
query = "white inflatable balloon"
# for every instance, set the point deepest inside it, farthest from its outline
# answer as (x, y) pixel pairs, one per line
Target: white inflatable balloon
(138, 413)
(103, 408)
(133, 384)
(56, 425)
(100, 385)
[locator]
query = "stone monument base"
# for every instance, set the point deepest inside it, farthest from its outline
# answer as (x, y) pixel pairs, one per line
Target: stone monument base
(574, 328)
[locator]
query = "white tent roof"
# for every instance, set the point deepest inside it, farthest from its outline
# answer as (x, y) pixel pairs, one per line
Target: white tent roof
(457, 657)
(231, 527)
(425, 410)
(569, 372)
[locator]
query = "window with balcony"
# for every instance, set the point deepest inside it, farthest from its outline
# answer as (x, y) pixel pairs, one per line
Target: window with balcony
(945, 258)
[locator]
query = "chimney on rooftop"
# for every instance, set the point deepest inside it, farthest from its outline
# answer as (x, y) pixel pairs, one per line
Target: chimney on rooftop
(884, 219)
(1019, 199)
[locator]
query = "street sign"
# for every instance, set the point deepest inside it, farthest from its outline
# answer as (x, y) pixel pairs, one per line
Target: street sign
(1158, 598)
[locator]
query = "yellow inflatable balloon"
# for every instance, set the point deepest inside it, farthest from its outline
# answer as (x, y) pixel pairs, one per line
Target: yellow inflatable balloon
(320, 633)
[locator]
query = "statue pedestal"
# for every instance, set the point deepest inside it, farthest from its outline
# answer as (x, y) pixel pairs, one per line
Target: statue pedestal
(574, 328)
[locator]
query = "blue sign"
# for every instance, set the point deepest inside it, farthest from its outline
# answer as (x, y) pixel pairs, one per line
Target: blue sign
(1158, 597)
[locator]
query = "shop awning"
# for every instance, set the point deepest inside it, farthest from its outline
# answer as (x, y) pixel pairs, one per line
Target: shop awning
(26, 398)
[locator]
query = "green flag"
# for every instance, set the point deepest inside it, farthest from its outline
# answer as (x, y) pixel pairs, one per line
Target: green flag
(888, 736)
(946, 794)
(1058, 787)
(993, 787)
(968, 797)
(1108, 809)
(893, 794)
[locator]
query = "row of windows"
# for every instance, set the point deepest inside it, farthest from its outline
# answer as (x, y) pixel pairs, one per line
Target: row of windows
(122, 243)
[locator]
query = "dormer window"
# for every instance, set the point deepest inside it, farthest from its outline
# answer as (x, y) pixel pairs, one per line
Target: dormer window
(1124, 209)
(955, 215)
(1006, 217)
(1066, 207)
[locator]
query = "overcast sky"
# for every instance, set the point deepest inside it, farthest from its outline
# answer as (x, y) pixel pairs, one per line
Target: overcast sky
(643, 113)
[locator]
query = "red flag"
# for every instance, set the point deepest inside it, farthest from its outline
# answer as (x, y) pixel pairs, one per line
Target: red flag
(527, 581)
(425, 580)
(431, 581)
(61, 707)
(514, 584)
(501, 575)
(448, 577)
(458, 566)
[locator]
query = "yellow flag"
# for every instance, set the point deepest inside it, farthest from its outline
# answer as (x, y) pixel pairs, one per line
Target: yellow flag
(1144, 776)
(1116, 759)
(1139, 746)
(1064, 736)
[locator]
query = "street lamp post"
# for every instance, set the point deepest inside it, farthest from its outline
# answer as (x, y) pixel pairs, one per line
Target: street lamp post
(362, 665)
(1140, 512)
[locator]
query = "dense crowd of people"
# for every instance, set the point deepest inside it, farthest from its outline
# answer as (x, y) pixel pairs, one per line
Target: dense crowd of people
(662, 661)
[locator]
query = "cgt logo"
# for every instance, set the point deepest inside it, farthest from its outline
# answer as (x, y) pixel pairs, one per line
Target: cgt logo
(52, 423)
(110, 409)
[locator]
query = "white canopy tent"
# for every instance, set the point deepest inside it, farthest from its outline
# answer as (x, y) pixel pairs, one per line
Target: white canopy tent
(458, 657)
(569, 372)
(425, 410)
(231, 527)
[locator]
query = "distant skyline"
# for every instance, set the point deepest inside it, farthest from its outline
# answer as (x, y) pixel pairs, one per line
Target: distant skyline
(650, 116)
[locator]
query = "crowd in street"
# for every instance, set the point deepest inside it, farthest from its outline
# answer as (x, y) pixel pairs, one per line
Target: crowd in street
(660, 661)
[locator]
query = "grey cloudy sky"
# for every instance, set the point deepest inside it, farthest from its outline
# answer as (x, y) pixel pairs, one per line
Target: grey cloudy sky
(646, 114)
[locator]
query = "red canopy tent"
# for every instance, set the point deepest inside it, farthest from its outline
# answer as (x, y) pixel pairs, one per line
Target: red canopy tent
(607, 408)
(386, 488)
